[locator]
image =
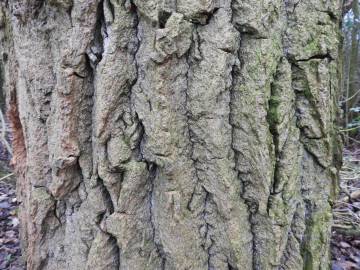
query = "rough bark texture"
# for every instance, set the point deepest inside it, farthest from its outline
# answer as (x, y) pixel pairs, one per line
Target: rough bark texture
(168, 134)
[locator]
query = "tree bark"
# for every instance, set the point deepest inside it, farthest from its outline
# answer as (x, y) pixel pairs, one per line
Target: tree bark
(167, 134)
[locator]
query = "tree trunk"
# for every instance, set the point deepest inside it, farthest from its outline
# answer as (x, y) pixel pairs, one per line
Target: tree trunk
(353, 75)
(168, 134)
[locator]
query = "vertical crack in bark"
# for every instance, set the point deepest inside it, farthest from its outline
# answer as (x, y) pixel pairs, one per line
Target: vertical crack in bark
(236, 156)
(192, 141)
(137, 35)
(152, 168)
(273, 122)
(108, 244)
(69, 10)
(188, 117)
(117, 251)
(107, 197)
(96, 48)
(111, 243)
(236, 70)
(208, 228)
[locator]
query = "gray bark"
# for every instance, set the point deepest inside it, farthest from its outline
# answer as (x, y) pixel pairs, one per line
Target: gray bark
(169, 135)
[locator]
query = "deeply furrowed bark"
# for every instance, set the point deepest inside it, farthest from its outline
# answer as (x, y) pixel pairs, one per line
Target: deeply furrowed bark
(168, 134)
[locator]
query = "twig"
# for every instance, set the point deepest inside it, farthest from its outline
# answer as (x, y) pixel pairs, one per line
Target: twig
(6, 176)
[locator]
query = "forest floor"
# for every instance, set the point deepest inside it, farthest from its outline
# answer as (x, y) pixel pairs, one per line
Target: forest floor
(10, 253)
(345, 243)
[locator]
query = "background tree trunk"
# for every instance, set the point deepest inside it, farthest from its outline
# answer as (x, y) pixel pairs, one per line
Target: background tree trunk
(167, 134)
(354, 55)
(351, 66)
